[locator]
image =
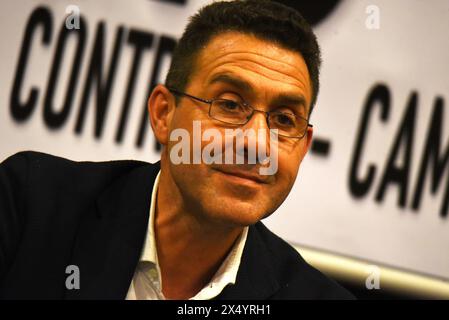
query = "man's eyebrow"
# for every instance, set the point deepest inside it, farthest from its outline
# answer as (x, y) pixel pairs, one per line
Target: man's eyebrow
(290, 100)
(283, 99)
(233, 81)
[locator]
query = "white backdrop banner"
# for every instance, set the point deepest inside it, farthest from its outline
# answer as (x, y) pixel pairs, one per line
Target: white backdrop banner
(375, 185)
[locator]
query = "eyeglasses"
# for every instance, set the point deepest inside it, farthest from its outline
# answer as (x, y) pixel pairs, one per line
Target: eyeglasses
(239, 113)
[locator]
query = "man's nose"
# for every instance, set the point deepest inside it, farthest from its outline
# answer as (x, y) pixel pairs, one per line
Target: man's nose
(258, 120)
(260, 137)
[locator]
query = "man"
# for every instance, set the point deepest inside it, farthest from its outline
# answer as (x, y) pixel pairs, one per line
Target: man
(180, 229)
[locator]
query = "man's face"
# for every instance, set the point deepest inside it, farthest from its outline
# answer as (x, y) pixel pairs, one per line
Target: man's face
(270, 78)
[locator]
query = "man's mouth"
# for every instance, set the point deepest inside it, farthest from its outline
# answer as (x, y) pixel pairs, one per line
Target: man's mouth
(242, 174)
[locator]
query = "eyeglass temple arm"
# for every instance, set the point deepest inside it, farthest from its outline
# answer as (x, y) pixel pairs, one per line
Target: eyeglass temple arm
(179, 93)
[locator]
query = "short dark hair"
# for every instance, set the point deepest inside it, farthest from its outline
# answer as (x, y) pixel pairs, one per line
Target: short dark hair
(267, 20)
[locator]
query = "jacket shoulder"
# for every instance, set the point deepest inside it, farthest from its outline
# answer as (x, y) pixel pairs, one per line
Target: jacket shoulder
(297, 278)
(43, 179)
(43, 200)
(32, 166)
(39, 159)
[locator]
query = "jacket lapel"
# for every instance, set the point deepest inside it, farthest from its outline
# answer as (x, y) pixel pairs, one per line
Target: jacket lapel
(110, 240)
(255, 278)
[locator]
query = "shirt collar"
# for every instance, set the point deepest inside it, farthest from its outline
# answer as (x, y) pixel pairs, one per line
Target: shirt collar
(149, 253)
(226, 274)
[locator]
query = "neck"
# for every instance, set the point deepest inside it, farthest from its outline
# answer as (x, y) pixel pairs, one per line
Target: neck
(190, 248)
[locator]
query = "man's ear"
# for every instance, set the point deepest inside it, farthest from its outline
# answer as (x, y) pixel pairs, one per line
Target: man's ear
(308, 143)
(309, 136)
(161, 105)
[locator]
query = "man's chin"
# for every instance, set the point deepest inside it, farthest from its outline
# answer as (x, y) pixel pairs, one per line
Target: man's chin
(237, 213)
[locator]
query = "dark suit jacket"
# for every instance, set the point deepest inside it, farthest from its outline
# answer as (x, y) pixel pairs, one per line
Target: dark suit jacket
(56, 212)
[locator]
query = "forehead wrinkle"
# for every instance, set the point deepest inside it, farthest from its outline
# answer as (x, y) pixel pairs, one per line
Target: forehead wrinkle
(230, 54)
(251, 84)
(229, 78)
(260, 55)
(298, 79)
(296, 82)
(301, 80)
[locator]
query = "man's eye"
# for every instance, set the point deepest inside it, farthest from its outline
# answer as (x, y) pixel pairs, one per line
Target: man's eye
(229, 105)
(286, 120)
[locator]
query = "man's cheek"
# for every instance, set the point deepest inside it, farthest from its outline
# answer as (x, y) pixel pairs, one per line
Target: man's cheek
(287, 173)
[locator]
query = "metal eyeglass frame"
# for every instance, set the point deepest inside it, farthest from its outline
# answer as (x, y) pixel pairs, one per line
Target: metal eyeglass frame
(210, 101)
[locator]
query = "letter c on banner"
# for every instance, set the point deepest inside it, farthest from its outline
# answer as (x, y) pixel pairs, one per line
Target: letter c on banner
(359, 187)
(40, 17)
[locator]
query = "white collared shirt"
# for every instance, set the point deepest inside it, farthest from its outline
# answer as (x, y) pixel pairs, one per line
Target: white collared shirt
(147, 282)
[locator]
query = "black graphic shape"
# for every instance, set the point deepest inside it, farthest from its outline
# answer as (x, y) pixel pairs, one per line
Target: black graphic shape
(313, 11)
(181, 2)
(321, 147)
